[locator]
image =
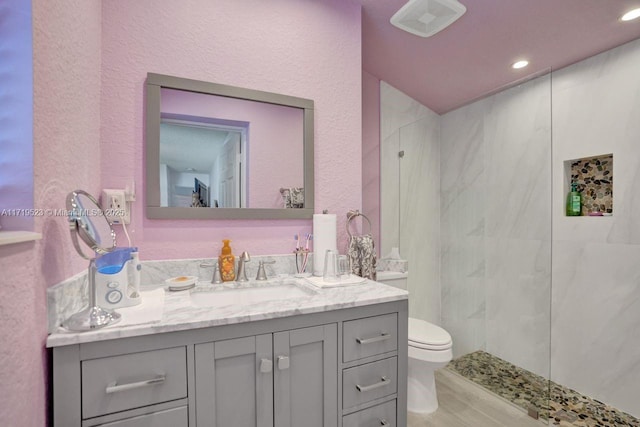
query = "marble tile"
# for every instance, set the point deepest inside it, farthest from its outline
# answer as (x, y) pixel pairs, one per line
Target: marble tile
(596, 321)
(495, 224)
(518, 295)
(462, 148)
(390, 193)
(583, 128)
(463, 292)
(596, 301)
(517, 134)
(410, 188)
(420, 215)
(398, 110)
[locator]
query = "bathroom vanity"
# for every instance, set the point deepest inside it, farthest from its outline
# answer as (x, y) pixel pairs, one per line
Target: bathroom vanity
(324, 357)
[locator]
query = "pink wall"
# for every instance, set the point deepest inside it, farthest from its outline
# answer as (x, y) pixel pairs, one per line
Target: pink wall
(88, 119)
(270, 126)
(304, 48)
(371, 152)
(66, 137)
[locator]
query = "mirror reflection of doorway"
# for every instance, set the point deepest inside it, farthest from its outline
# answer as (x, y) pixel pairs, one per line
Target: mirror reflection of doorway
(201, 163)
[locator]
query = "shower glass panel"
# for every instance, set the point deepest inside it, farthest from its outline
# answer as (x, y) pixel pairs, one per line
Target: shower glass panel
(496, 242)
(466, 197)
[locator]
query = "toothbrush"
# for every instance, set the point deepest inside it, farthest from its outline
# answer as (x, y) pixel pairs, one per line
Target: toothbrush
(297, 250)
(306, 252)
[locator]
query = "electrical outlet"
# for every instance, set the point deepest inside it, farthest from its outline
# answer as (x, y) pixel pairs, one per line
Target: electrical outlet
(115, 206)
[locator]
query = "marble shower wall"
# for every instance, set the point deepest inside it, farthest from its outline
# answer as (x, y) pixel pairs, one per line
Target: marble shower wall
(596, 260)
(496, 195)
(496, 227)
(409, 193)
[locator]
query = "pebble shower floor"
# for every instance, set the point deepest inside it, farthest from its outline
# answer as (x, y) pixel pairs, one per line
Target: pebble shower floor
(566, 407)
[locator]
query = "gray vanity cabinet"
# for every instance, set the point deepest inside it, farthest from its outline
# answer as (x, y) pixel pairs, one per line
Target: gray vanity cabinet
(340, 368)
(284, 379)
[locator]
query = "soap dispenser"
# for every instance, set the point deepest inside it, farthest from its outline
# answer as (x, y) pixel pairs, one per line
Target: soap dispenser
(574, 201)
(227, 263)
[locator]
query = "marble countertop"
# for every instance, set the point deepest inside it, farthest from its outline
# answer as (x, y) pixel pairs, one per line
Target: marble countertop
(164, 311)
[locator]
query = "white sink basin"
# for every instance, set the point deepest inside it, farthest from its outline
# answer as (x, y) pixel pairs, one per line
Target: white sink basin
(248, 295)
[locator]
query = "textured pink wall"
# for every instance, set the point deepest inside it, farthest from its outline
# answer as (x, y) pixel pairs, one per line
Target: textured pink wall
(66, 48)
(270, 126)
(305, 48)
(371, 152)
(88, 118)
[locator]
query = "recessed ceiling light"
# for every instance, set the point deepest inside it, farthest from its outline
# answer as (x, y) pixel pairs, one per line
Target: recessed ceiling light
(520, 64)
(632, 14)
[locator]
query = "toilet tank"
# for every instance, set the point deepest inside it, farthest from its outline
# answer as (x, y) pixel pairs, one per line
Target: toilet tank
(393, 278)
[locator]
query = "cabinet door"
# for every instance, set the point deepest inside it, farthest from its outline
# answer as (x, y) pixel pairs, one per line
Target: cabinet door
(234, 383)
(306, 377)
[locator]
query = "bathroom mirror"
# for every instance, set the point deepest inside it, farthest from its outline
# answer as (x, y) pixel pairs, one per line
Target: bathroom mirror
(221, 152)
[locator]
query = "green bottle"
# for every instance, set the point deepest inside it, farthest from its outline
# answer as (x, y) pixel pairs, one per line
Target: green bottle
(574, 201)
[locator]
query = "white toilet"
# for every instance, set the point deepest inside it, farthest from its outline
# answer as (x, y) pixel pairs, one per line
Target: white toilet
(429, 349)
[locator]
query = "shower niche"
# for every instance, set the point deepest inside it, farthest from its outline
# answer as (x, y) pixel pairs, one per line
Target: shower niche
(593, 177)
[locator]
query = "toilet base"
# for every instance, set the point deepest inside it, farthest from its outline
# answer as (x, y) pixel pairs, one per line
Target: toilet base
(421, 388)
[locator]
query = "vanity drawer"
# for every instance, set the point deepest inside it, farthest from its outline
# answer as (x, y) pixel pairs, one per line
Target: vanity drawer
(369, 336)
(370, 381)
(376, 416)
(117, 383)
(176, 417)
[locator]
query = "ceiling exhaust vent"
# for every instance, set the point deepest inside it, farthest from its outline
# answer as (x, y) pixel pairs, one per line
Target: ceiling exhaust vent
(424, 18)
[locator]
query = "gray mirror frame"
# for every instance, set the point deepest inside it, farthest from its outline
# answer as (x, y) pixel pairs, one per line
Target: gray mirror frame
(154, 84)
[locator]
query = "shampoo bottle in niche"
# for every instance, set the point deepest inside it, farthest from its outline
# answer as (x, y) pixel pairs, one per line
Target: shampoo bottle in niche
(574, 201)
(227, 263)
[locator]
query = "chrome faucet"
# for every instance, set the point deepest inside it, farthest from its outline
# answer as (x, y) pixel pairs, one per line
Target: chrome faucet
(241, 275)
(262, 275)
(215, 279)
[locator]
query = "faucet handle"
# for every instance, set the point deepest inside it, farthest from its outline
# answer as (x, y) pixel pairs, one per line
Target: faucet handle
(241, 273)
(262, 275)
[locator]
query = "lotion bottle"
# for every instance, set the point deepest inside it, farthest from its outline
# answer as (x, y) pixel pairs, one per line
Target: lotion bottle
(227, 263)
(574, 201)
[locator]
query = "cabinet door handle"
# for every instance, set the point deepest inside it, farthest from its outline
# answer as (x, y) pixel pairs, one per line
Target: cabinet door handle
(381, 337)
(383, 382)
(266, 366)
(283, 363)
(384, 422)
(115, 388)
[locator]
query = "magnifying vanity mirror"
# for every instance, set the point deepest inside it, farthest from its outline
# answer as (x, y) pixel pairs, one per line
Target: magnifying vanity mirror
(221, 152)
(88, 224)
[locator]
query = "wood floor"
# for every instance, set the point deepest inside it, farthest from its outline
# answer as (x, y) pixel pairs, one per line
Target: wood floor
(465, 404)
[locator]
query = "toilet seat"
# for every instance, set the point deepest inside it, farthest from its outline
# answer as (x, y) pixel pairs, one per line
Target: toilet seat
(427, 336)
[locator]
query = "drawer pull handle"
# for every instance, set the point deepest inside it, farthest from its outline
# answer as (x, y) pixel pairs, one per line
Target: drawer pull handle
(115, 388)
(384, 422)
(383, 382)
(379, 338)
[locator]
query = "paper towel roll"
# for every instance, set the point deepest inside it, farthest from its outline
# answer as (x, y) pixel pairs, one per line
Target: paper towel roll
(324, 237)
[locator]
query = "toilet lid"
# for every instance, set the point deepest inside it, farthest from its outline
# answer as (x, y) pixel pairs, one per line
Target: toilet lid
(428, 336)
